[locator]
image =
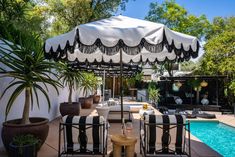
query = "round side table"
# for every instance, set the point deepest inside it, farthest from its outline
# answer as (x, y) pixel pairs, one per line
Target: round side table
(121, 140)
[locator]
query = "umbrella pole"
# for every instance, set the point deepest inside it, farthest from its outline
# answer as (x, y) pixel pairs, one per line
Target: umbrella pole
(103, 85)
(121, 85)
(113, 85)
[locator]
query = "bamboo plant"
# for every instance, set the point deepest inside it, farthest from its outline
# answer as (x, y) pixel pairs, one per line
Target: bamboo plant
(30, 73)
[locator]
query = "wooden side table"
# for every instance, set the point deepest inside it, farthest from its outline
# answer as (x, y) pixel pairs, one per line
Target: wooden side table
(121, 140)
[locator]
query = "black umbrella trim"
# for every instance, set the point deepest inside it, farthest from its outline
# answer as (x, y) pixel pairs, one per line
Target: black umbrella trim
(181, 53)
(111, 69)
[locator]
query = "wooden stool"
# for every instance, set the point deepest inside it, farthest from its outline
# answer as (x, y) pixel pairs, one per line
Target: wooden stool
(121, 140)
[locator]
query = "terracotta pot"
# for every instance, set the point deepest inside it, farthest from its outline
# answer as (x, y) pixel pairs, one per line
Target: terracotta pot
(96, 99)
(70, 109)
(38, 127)
(86, 102)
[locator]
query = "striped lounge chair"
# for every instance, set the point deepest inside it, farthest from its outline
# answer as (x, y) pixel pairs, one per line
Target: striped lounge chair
(164, 135)
(83, 135)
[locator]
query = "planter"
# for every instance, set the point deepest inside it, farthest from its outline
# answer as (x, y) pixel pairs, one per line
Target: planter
(70, 109)
(96, 99)
(38, 127)
(86, 102)
(22, 151)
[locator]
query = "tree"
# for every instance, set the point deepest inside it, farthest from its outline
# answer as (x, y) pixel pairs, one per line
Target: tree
(69, 77)
(189, 66)
(219, 57)
(30, 73)
(177, 18)
(19, 16)
(69, 13)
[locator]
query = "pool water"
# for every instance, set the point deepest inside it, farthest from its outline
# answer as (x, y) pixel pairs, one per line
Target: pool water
(217, 135)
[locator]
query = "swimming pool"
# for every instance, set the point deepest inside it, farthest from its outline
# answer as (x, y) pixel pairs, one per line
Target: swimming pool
(217, 135)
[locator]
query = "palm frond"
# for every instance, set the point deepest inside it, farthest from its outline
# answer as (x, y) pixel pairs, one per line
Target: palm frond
(45, 94)
(12, 98)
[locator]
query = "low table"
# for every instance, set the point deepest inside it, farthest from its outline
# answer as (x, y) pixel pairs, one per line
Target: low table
(126, 141)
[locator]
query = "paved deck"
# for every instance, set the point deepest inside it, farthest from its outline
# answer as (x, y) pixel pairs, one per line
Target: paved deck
(198, 149)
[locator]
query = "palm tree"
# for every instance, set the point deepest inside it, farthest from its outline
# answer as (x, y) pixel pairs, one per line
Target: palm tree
(30, 72)
(88, 83)
(70, 77)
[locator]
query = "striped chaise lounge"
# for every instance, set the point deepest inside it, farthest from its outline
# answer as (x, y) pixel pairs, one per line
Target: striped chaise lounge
(83, 135)
(164, 135)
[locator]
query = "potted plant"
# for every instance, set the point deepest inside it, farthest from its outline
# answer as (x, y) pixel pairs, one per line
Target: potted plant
(87, 84)
(24, 146)
(31, 73)
(96, 98)
(154, 95)
(71, 78)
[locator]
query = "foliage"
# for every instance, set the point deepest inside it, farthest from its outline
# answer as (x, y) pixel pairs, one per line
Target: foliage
(23, 140)
(30, 72)
(88, 83)
(219, 57)
(70, 77)
(195, 84)
(135, 79)
(220, 25)
(21, 15)
(154, 94)
(177, 18)
(189, 66)
(69, 13)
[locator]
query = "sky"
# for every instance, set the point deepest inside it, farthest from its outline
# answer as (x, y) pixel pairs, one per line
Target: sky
(210, 8)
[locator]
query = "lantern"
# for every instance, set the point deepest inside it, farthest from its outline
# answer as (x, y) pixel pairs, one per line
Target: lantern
(203, 83)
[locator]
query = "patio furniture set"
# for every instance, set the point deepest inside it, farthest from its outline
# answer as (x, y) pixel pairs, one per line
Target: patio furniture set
(159, 135)
(121, 40)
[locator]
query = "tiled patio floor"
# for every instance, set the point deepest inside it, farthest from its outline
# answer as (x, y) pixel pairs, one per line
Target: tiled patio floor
(198, 149)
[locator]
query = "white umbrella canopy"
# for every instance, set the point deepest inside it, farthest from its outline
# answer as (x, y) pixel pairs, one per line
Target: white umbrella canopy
(121, 39)
(105, 38)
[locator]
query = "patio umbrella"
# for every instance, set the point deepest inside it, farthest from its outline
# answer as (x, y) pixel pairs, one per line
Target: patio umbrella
(121, 39)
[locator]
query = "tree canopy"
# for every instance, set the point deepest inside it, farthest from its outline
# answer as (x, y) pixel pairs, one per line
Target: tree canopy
(21, 16)
(177, 18)
(219, 57)
(69, 13)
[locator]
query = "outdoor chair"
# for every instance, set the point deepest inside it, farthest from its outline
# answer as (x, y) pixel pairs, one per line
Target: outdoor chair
(164, 135)
(199, 113)
(83, 135)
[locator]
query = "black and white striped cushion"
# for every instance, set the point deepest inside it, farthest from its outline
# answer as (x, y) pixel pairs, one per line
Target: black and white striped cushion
(165, 138)
(82, 138)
